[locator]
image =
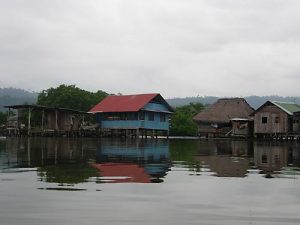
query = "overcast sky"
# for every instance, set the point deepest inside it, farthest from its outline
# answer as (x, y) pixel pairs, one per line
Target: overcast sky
(175, 47)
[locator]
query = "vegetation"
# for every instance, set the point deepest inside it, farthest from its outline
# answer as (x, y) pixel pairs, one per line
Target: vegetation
(182, 123)
(70, 96)
(68, 173)
(2, 118)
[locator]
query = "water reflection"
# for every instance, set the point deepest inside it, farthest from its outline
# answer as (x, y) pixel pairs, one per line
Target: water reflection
(72, 161)
(276, 160)
(127, 160)
(226, 158)
(215, 182)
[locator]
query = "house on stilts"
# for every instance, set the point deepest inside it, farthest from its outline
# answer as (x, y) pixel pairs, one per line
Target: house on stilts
(277, 120)
(133, 115)
(226, 117)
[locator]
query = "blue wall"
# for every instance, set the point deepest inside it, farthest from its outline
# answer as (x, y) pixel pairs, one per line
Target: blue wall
(134, 124)
(156, 107)
(155, 124)
(150, 150)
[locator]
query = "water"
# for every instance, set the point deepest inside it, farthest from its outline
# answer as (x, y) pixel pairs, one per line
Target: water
(113, 181)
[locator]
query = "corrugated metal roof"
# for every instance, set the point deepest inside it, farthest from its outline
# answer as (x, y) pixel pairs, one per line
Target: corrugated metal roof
(46, 108)
(125, 103)
(289, 107)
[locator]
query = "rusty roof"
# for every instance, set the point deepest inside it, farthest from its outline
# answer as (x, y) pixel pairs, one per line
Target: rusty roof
(288, 107)
(41, 107)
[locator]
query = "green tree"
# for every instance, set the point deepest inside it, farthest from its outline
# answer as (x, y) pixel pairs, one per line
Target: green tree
(3, 117)
(70, 96)
(182, 123)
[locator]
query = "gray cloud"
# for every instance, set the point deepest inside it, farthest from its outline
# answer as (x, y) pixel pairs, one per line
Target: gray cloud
(175, 47)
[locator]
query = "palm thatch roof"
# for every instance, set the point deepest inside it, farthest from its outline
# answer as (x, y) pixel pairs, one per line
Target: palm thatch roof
(223, 110)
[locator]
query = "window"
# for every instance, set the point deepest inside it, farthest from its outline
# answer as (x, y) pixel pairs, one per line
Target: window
(264, 158)
(277, 119)
(142, 115)
(264, 119)
(132, 116)
(162, 117)
(151, 116)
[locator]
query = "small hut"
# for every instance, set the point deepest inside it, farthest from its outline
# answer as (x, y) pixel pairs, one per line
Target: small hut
(277, 118)
(227, 116)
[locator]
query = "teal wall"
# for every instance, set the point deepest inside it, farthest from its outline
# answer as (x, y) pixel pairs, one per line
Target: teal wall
(155, 124)
(133, 124)
(150, 150)
(156, 107)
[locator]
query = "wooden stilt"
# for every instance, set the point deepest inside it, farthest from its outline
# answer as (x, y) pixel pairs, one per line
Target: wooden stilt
(56, 121)
(43, 115)
(29, 122)
(28, 151)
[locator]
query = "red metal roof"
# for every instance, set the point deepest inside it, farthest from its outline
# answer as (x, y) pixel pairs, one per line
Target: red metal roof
(123, 103)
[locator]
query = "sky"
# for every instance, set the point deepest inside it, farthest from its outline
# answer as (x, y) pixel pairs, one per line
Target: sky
(177, 48)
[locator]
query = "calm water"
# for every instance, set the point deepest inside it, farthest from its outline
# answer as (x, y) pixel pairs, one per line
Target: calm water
(113, 181)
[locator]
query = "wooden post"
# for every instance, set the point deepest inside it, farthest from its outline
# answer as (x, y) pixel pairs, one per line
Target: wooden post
(28, 151)
(55, 152)
(29, 121)
(43, 115)
(7, 122)
(56, 123)
(42, 148)
(18, 123)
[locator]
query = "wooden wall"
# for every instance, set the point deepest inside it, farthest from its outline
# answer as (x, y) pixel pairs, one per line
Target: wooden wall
(240, 128)
(64, 121)
(277, 120)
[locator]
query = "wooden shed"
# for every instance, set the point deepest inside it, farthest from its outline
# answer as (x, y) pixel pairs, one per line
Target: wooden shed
(277, 118)
(217, 119)
(50, 120)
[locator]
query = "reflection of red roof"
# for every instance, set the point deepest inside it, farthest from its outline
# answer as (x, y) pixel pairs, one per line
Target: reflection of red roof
(131, 173)
(123, 103)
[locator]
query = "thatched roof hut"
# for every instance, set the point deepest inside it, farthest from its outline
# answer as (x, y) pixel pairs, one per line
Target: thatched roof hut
(224, 110)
